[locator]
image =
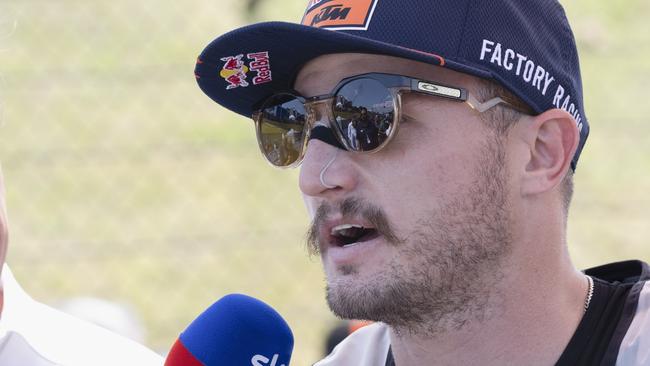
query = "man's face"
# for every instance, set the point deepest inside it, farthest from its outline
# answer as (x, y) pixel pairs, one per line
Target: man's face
(432, 204)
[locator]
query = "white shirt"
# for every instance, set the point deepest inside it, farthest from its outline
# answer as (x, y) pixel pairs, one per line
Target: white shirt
(34, 334)
(367, 346)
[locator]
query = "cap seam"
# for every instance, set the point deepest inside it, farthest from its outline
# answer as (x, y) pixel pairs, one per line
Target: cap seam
(462, 36)
(565, 30)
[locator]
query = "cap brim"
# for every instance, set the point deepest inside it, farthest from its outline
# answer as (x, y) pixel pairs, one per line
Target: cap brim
(289, 47)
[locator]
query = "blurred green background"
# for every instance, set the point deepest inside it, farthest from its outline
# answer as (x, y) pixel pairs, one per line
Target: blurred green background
(125, 182)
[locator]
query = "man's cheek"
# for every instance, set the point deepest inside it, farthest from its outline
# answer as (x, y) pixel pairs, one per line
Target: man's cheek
(310, 205)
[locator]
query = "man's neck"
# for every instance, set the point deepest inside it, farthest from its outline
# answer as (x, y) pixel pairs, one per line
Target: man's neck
(533, 305)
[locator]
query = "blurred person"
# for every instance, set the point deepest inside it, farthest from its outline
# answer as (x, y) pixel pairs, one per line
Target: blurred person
(450, 233)
(251, 7)
(34, 334)
(352, 135)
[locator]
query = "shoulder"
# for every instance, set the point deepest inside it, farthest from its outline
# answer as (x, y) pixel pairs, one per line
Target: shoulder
(70, 341)
(367, 346)
(34, 331)
(629, 320)
(635, 347)
(630, 344)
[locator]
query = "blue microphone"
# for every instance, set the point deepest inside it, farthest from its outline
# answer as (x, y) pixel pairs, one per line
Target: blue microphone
(236, 330)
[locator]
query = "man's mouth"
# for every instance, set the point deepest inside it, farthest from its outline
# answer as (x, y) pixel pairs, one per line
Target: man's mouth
(347, 235)
(348, 223)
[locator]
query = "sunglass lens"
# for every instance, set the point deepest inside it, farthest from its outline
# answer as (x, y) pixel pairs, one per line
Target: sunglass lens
(363, 112)
(281, 129)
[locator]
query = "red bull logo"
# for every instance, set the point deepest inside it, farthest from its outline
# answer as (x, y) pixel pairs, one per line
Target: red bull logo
(235, 71)
(262, 66)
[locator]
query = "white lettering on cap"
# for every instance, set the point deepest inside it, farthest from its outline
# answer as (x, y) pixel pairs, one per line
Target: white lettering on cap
(530, 73)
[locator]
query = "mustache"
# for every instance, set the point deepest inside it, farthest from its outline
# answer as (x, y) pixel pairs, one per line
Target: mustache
(350, 207)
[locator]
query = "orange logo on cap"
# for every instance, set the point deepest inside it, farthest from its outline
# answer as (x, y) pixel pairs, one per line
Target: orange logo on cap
(339, 14)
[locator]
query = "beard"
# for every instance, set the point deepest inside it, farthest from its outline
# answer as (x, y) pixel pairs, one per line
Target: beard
(455, 257)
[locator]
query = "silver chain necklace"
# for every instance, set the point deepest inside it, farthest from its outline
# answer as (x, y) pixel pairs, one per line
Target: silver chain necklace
(590, 293)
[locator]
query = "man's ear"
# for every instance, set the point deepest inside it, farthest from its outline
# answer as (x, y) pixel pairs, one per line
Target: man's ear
(552, 138)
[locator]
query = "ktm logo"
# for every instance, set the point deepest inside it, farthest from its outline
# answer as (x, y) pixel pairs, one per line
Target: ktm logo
(341, 14)
(332, 12)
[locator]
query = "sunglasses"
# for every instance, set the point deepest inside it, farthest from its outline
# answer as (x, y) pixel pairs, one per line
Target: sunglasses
(363, 111)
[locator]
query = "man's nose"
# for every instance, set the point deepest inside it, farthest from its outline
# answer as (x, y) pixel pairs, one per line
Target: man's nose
(326, 170)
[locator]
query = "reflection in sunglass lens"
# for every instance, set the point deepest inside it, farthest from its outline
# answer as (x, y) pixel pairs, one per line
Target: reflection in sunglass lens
(282, 129)
(363, 111)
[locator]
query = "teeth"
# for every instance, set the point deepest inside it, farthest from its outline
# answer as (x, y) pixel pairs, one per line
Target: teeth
(350, 245)
(348, 235)
(337, 229)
